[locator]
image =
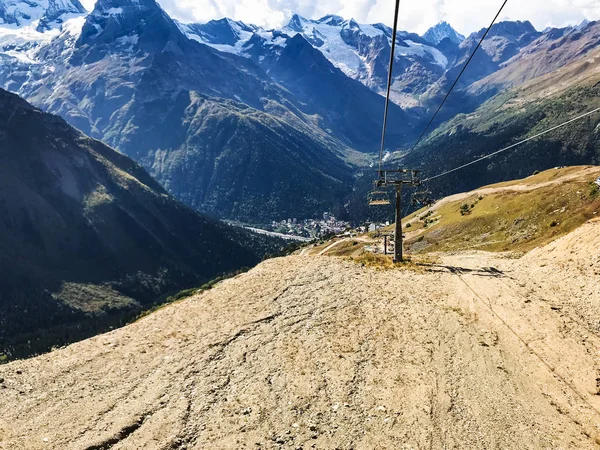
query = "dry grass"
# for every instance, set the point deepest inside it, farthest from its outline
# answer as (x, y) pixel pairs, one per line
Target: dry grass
(368, 259)
(504, 221)
(348, 248)
(542, 177)
(414, 263)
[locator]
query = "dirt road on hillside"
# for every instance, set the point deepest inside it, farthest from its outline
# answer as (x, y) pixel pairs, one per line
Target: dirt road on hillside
(479, 351)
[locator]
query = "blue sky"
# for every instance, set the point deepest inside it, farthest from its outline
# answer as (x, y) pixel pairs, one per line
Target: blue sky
(416, 15)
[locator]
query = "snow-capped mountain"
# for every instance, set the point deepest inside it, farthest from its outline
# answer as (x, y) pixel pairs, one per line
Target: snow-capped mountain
(360, 51)
(347, 43)
(287, 56)
(27, 25)
(235, 37)
(441, 31)
(504, 41)
(215, 128)
(582, 25)
(223, 32)
(42, 15)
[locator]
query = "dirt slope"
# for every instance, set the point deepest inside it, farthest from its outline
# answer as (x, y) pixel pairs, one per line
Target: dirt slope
(479, 351)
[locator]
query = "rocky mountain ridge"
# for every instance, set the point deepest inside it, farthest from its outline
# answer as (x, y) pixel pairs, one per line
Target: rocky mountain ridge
(441, 31)
(361, 51)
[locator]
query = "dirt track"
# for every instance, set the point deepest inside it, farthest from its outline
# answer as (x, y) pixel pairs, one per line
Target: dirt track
(481, 351)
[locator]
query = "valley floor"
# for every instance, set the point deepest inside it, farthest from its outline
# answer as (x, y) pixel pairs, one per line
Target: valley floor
(478, 351)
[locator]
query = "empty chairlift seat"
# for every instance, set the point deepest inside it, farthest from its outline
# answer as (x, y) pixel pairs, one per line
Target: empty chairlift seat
(379, 198)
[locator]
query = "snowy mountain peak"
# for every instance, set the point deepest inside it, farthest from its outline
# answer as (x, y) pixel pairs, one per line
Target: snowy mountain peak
(115, 7)
(331, 19)
(441, 31)
(128, 25)
(582, 25)
(351, 24)
(41, 14)
(297, 23)
(219, 32)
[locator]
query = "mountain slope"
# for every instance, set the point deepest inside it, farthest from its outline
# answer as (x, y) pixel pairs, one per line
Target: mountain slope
(513, 216)
(232, 161)
(479, 350)
(508, 118)
(360, 51)
(346, 106)
(549, 53)
(86, 233)
(504, 41)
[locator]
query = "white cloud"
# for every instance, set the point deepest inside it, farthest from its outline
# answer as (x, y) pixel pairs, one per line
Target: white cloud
(465, 15)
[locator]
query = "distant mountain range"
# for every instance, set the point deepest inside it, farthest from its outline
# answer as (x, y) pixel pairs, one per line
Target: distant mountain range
(360, 51)
(246, 123)
(268, 144)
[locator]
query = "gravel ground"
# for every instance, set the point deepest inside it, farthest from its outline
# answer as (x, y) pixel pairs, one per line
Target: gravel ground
(478, 351)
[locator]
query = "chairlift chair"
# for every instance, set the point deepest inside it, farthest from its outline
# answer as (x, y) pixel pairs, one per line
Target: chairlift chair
(379, 198)
(422, 198)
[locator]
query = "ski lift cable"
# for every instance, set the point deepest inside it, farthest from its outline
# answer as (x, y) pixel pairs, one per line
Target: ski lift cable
(389, 85)
(460, 75)
(409, 204)
(510, 147)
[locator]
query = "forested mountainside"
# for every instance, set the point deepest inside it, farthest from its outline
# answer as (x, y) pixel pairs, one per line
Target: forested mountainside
(88, 238)
(509, 117)
(232, 161)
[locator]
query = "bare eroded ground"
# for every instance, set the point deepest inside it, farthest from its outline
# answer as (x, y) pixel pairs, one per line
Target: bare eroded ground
(480, 351)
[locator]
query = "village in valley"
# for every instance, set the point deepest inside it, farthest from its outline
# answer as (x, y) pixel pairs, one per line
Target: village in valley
(311, 228)
(328, 225)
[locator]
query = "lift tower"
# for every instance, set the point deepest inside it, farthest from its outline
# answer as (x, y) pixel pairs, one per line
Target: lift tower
(398, 178)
